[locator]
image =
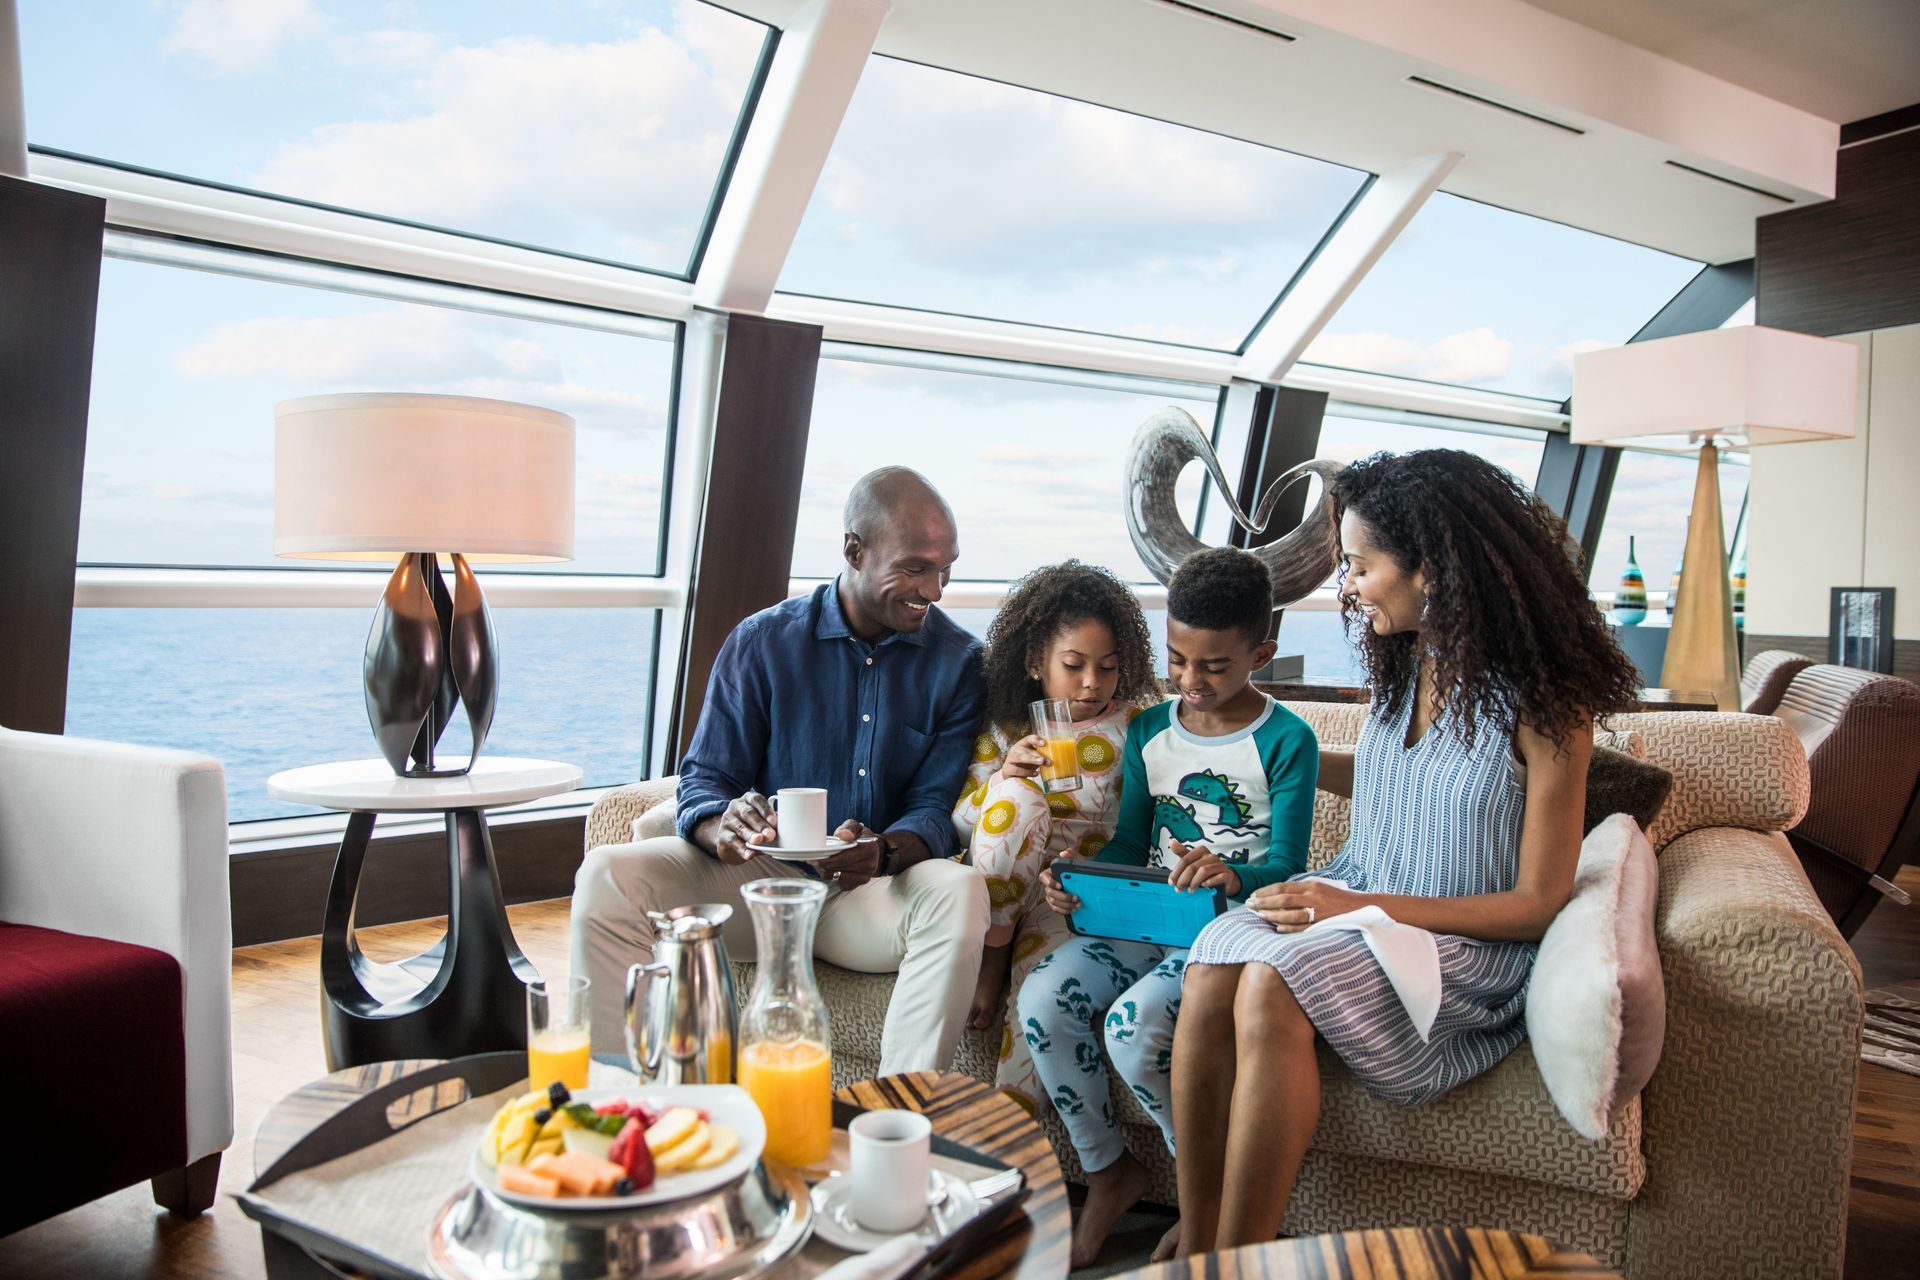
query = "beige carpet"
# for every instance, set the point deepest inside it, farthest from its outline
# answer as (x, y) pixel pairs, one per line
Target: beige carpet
(1892, 1036)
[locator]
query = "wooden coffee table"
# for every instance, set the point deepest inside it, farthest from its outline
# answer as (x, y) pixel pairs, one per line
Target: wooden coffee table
(1397, 1253)
(1033, 1245)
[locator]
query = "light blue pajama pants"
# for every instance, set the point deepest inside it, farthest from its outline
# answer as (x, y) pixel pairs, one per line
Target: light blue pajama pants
(1091, 990)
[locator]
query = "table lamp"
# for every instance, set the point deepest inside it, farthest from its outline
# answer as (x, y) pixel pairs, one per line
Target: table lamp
(422, 479)
(1746, 386)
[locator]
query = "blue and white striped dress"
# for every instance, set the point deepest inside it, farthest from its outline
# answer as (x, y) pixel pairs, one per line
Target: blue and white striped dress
(1437, 819)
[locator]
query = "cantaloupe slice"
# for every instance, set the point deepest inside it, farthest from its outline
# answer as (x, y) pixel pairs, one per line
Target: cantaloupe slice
(524, 1181)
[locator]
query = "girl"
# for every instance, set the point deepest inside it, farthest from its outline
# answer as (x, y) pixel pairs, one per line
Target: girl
(1069, 631)
(1488, 664)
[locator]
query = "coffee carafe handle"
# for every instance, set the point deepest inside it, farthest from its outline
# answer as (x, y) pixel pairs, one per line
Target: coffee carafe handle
(646, 1035)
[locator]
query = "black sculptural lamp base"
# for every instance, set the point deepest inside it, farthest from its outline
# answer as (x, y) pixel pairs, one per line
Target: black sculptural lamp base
(430, 651)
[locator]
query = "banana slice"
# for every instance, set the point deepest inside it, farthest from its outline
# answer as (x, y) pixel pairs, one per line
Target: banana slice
(683, 1153)
(671, 1129)
(721, 1144)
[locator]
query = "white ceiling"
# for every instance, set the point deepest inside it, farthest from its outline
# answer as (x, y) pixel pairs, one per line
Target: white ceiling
(1843, 60)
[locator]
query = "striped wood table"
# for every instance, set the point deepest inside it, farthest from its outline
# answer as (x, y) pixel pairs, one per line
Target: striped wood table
(1398, 1253)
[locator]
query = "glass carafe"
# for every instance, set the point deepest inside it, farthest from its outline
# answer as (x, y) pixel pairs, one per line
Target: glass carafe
(786, 1052)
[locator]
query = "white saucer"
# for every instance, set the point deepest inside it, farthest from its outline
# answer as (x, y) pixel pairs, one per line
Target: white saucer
(833, 1219)
(814, 854)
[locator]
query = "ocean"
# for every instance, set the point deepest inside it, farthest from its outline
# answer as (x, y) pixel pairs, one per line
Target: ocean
(263, 690)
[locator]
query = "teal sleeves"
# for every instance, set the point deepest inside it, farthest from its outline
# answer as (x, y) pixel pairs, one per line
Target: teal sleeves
(1291, 754)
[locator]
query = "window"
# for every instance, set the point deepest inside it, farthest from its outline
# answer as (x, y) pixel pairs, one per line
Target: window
(1350, 432)
(1483, 297)
(188, 365)
(1031, 460)
(262, 690)
(945, 192)
(1652, 500)
(593, 129)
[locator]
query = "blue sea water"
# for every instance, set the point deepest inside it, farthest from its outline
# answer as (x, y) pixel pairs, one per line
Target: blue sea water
(262, 690)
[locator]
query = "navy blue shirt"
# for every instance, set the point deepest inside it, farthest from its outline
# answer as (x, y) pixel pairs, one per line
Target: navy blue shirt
(797, 700)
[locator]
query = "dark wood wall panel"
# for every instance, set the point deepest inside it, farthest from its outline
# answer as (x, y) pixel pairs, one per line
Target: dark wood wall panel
(1906, 653)
(767, 374)
(1852, 264)
(49, 289)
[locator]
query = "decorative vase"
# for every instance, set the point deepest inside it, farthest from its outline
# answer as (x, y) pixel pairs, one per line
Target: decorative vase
(1739, 583)
(1630, 598)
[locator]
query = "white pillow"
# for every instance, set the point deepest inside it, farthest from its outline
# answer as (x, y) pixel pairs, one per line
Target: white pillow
(1596, 1004)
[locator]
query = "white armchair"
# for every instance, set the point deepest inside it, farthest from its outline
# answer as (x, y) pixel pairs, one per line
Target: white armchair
(125, 847)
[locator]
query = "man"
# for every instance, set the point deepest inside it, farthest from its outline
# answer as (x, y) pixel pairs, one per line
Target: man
(865, 688)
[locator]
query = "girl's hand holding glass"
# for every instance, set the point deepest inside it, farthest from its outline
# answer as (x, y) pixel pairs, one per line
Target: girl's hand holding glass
(1293, 905)
(1059, 899)
(1202, 868)
(1024, 758)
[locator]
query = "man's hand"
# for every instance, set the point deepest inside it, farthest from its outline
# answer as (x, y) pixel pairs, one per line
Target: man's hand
(1023, 758)
(1201, 868)
(851, 868)
(1292, 905)
(742, 831)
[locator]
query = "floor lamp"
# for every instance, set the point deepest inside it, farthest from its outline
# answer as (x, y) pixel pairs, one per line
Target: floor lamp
(1741, 387)
(419, 478)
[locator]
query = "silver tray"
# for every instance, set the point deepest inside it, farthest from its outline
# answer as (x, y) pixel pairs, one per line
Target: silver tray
(732, 1231)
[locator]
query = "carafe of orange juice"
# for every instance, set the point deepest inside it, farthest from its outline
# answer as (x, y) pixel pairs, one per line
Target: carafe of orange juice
(786, 1052)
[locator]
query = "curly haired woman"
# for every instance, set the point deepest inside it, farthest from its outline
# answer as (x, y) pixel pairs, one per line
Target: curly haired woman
(1069, 631)
(1488, 665)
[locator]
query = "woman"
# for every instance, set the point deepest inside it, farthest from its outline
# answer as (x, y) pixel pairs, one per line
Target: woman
(1488, 664)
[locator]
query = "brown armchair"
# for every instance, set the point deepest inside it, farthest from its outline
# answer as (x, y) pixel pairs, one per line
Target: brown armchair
(1766, 678)
(1861, 731)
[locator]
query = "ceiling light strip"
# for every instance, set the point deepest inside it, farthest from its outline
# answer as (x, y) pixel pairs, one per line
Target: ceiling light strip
(1524, 114)
(1730, 182)
(1226, 20)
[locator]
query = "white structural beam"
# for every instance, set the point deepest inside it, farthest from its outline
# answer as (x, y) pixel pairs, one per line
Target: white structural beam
(816, 68)
(13, 109)
(1381, 214)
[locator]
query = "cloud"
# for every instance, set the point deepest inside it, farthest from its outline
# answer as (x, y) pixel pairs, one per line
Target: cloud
(1472, 356)
(957, 168)
(552, 141)
(390, 345)
(238, 37)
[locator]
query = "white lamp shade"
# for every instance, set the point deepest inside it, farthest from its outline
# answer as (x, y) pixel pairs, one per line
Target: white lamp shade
(375, 476)
(1743, 386)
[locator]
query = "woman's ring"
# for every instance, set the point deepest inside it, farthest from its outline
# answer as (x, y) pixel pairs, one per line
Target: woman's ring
(1309, 909)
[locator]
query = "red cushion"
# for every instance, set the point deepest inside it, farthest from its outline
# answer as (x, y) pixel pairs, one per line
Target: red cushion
(96, 1055)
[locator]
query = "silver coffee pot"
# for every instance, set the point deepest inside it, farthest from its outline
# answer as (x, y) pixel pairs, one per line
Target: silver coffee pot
(681, 1021)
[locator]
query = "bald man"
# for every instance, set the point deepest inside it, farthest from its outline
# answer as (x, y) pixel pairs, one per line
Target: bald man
(863, 687)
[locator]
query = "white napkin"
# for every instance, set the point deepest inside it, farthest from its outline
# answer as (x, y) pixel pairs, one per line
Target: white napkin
(891, 1259)
(1409, 956)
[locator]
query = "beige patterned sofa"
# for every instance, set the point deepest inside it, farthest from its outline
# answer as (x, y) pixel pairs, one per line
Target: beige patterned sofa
(1733, 1162)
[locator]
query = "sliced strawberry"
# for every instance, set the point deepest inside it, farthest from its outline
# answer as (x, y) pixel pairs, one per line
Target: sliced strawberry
(616, 1107)
(631, 1153)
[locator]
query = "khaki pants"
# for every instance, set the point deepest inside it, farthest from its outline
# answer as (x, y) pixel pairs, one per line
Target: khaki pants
(927, 924)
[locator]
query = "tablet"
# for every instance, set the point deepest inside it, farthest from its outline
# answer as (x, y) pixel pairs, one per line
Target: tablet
(1135, 904)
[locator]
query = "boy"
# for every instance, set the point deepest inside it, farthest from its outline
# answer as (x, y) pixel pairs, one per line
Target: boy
(1217, 788)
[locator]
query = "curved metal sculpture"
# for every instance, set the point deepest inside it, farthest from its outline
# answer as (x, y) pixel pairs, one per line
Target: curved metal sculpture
(1166, 442)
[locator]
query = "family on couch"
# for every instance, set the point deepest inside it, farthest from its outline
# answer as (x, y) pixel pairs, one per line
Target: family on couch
(1488, 666)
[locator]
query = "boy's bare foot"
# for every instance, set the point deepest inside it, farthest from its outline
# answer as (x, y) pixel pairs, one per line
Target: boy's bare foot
(1110, 1193)
(990, 991)
(1169, 1244)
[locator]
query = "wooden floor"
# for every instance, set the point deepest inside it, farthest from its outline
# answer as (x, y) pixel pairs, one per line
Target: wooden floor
(276, 1049)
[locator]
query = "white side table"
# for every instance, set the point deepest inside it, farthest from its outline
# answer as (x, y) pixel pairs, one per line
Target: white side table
(466, 993)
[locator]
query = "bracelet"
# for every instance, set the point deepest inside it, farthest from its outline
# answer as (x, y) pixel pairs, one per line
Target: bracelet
(886, 855)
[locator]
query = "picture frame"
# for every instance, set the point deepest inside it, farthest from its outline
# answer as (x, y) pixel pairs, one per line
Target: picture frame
(1860, 628)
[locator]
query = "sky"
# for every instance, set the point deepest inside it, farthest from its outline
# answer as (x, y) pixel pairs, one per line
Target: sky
(598, 127)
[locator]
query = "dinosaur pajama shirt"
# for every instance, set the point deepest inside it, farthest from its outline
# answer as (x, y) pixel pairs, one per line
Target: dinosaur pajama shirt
(1247, 796)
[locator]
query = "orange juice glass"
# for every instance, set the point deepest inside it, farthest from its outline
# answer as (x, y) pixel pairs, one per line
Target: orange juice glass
(786, 1051)
(792, 1084)
(558, 1040)
(1053, 722)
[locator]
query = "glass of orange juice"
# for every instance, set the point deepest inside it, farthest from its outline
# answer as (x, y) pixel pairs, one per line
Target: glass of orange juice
(786, 1050)
(1053, 721)
(558, 1040)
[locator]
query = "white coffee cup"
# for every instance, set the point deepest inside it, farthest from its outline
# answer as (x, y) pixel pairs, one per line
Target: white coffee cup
(803, 817)
(889, 1153)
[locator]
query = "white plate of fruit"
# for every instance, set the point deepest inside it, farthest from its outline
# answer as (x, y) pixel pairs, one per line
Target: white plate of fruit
(618, 1148)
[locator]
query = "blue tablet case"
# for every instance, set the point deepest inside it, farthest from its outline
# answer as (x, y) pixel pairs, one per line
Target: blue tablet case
(1135, 904)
